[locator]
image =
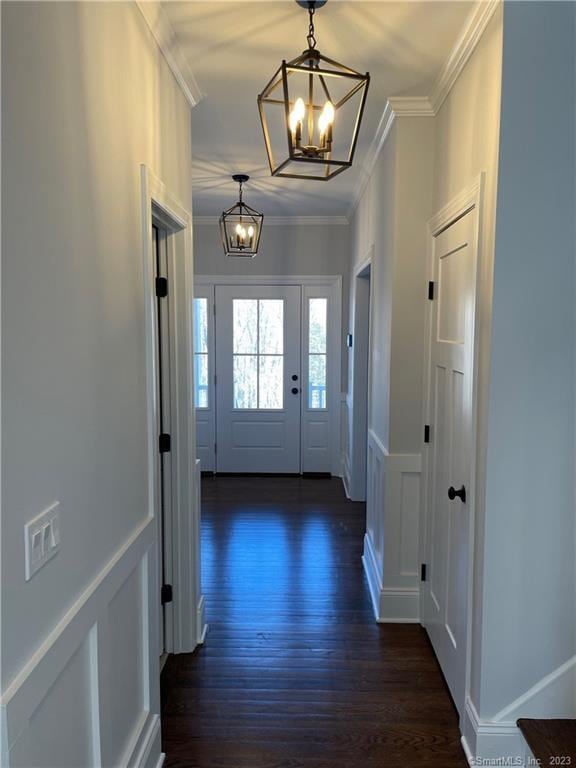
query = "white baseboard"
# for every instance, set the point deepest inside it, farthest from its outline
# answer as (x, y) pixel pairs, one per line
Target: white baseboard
(392, 605)
(345, 474)
(371, 570)
(146, 747)
(201, 621)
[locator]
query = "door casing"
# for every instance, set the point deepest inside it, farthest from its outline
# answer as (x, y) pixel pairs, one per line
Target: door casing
(187, 628)
(308, 283)
(469, 199)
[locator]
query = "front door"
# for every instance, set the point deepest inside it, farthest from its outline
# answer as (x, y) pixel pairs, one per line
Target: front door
(445, 593)
(258, 378)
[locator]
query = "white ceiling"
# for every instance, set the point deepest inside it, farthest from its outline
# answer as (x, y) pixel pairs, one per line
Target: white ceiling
(233, 48)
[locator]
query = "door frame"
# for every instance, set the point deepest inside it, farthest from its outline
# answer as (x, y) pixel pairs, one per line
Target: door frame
(361, 377)
(471, 198)
(334, 282)
(161, 205)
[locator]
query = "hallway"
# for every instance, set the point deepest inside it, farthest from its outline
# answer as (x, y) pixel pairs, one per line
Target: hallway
(294, 671)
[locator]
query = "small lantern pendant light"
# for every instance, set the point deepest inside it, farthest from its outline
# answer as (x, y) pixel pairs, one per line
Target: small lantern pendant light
(240, 226)
(316, 105)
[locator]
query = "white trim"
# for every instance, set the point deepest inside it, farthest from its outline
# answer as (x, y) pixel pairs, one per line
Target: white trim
(371, 570)
(167, 41)
(332, 280)
(279, 221)
(391, 605)
(519, 706)
(35, 679)
(471, 198)
(382, 133)
(157, 201)
(426, 106)
(462, 51)
(411, 106)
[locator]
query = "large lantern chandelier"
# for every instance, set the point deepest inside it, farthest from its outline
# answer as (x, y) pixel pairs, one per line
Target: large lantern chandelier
(315, 105)
(240, 225)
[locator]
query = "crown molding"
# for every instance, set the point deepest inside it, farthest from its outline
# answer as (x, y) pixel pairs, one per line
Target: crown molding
(165, 36)
(382, 133)
(411, 106)
(427, 106)
(462, 51)
(278, 221)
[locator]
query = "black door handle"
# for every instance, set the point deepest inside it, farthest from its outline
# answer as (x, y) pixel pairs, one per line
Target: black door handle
(452, 493)
(294, 377)
(295, 390)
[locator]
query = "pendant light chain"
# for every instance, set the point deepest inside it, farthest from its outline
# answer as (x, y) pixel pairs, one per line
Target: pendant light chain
(310, 37)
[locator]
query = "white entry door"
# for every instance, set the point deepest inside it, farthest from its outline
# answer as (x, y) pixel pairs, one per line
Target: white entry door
(449, 459)
(258, 378)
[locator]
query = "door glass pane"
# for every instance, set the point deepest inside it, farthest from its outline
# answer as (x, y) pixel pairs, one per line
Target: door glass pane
(201, 381)
(245, 381)
(271, 326)
(316, 381)
(271, 381)
(245, 326)
(201, 325)
(317, 311)
(200, 309)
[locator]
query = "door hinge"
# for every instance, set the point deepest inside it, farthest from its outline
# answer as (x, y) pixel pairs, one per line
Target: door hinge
(423, 572)
(426, 433)
(164, 443)
(431, 290)
(214, 309)
(215, 447)
(166, 594)
(161, 287)
(214, 379)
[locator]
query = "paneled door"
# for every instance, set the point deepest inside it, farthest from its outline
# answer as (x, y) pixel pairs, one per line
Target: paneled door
(258, 387)
(449, 458)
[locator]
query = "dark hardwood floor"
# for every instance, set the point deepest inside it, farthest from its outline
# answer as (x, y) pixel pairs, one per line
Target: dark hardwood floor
(295, 673)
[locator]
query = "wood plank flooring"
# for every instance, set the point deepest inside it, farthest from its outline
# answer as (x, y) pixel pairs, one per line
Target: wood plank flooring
(295, 673)
(553, 742)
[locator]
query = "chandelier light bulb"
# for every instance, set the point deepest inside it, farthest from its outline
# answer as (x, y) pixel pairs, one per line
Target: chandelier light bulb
(297, 115)
(326, 120)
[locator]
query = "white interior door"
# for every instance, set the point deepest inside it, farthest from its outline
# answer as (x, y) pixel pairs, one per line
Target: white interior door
(450, 408)
(258, 378)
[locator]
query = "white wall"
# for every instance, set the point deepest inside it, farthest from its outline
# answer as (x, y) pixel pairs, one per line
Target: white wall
(389, 225)
(86, 98)
(285, 249)
(466, 144)
(529, 600)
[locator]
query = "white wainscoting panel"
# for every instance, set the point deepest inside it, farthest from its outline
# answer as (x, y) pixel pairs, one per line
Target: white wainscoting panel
(89, 695)
(392, 532)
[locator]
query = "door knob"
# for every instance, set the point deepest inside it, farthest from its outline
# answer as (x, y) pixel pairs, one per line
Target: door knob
(452, 493)
(294, 377)
(294, 390)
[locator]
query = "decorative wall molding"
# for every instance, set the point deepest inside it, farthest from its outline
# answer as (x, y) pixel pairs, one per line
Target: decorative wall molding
(67, 683)
(552, 696)
(462, 51)
(165, 36)
(392, 529)
(283, 221)
(411, 106)
(382, 133)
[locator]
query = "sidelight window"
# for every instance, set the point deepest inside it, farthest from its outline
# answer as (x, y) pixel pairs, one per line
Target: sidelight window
(317, 334)
(201, 397)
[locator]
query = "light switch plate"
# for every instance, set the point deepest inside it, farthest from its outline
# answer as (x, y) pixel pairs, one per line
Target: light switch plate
(42, 539)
